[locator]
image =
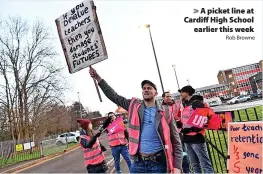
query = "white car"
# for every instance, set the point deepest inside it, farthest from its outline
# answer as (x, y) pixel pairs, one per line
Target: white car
(69, 137)
(239, 99)
(215, 101)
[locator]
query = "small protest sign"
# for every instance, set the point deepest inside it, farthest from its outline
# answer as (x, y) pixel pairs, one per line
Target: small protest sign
(245, 147)
(19, 147)
(81, 37)
(116, 126)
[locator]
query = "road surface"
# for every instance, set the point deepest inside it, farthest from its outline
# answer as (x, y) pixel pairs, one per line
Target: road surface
(72, 162)
(238, 106)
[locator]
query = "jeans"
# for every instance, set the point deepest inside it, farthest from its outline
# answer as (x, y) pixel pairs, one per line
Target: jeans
(141, 166)
(116, 151)
(186, 165)
(199, 158)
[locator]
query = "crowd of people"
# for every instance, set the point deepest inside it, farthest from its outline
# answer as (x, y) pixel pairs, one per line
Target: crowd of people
(159, 139)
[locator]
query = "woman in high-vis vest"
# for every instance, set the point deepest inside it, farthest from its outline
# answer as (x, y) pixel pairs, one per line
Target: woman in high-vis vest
(92, 148)
(193, 137)
(118, 143)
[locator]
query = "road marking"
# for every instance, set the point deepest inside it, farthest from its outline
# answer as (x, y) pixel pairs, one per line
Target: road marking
(31, 166)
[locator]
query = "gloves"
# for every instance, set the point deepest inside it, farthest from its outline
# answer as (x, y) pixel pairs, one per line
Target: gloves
(186, 130)
(179, 124)
(106, 123)
(98, 134)
(196, 129)
(103, 148)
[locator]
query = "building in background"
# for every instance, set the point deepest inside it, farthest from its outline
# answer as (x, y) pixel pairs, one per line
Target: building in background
(232, 82)
(256, 82)
(219, 90)
(238, 78)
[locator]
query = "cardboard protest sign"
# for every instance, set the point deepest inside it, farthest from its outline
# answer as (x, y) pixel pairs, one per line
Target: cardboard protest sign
(81, 37)
(204, 118)
(226, 118)
(116, 126)
(245, 147)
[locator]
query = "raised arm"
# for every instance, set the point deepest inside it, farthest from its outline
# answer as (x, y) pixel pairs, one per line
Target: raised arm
(109, 92)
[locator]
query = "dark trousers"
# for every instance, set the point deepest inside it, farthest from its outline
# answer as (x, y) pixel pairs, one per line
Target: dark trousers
(98, 168)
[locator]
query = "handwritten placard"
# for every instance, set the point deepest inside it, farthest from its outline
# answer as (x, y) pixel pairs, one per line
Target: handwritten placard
(245, 147)
(81, 37)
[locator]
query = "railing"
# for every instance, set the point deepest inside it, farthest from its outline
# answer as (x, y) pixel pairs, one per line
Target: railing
(12, 152)
(217, 141)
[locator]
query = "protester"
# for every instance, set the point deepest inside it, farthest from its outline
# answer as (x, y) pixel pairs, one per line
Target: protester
(193, 137)
(92, 148)
(154, 143)
(118, 143)
(174, 109)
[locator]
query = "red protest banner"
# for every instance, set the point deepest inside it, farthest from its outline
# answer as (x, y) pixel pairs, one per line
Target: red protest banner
(205, 118)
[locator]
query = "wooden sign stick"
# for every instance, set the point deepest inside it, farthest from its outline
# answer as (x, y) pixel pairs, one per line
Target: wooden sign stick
(97, 88)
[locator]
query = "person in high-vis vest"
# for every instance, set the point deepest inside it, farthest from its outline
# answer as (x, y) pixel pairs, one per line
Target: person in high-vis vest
(154, 142)
(193, 137)
(118, 143)
(174, 109)
(92, 148)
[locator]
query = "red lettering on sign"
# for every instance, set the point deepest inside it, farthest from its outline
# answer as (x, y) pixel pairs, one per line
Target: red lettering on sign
(236, 164)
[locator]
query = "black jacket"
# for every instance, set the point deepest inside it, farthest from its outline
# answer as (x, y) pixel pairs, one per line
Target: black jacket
(197, 102)
(88, 144)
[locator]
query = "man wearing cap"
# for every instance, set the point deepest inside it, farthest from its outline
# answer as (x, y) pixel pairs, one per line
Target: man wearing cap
(154, 143)
(193, 137)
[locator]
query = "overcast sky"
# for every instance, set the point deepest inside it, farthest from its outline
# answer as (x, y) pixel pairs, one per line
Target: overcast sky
(197, 56)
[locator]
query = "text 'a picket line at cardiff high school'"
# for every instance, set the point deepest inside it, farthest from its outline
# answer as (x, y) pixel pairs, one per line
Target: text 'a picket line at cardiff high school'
(80, 36)
(226, 22)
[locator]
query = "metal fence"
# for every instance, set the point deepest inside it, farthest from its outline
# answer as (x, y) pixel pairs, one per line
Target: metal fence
(217, 141)
(12, 152)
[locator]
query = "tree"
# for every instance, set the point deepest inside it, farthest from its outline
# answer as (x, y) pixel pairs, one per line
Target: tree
(31, 74)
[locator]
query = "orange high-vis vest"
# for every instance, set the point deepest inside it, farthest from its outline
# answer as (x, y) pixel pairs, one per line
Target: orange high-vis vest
(135, 128)
(117, 139)
(186, 114)
(94, 155)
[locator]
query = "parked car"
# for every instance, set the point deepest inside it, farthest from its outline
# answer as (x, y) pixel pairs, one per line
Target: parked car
(239, 99)
(69, 137)
(215, 101)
